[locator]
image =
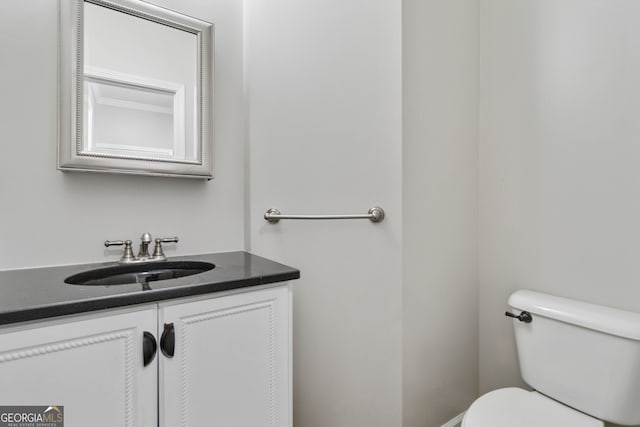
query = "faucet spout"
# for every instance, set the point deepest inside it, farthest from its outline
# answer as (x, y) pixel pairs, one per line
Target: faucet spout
(143, 253)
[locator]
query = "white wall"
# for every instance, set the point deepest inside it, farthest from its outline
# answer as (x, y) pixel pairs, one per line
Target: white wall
(559, 160)
(440, 208)
(324, 90)
(50, 217)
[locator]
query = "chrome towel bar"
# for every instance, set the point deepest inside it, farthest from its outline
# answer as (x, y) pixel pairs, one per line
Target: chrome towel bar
(375, 214)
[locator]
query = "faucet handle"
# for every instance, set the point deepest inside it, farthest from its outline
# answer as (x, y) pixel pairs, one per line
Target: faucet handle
(158, 253)
(127, 256)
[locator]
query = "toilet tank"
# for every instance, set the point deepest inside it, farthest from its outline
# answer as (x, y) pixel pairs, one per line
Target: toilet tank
(584, 355)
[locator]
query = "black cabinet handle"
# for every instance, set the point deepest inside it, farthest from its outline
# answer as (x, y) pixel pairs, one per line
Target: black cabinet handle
(525, 316)
(168, 340)
(149, 347)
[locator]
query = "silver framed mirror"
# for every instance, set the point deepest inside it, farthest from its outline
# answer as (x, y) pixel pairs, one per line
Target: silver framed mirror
(135, 90)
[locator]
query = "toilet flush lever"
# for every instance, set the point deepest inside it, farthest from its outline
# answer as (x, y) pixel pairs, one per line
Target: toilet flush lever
(525, 316)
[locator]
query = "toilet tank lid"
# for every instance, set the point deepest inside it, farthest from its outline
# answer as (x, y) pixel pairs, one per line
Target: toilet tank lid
(608, 320)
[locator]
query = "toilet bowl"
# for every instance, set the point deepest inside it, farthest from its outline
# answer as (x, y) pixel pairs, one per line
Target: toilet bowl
(515, 407)
(582, 360)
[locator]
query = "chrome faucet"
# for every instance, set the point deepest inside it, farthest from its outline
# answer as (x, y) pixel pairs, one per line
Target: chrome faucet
(143, 252)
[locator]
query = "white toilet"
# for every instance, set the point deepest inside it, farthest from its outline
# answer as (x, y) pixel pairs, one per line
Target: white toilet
(582, 360)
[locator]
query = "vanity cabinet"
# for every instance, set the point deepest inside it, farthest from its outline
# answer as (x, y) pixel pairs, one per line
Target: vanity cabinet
(230, 365)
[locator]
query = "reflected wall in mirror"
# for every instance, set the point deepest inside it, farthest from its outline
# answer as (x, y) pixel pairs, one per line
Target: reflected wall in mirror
(136, 89)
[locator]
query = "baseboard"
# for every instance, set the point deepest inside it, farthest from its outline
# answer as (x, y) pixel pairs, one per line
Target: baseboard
(454, 422)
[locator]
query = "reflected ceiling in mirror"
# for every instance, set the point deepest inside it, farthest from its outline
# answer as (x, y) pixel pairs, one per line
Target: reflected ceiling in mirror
(136, 90)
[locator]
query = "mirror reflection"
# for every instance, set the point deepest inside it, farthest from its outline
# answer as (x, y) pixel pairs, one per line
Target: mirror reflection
(131, 121)
(134, 98)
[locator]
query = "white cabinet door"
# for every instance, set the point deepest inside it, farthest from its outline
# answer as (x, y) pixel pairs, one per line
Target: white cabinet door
(91, 365)
(232, 359)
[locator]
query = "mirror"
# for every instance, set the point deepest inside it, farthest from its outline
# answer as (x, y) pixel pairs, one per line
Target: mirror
(135, 90)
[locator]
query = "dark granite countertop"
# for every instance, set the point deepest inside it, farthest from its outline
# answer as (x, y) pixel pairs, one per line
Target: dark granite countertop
(41, 293)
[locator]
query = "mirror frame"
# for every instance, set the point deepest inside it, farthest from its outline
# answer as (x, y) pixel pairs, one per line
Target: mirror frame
(71, 156)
